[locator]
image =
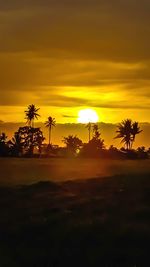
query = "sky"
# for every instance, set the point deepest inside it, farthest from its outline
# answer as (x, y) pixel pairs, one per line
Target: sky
(67, 55)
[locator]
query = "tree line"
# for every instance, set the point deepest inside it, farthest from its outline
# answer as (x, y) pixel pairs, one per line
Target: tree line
(28, 141)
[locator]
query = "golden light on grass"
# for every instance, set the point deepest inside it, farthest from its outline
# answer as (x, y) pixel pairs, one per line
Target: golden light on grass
(87, 115)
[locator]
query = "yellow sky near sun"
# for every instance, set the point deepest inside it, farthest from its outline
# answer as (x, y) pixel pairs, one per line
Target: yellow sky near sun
(111, 102)
(70, 115)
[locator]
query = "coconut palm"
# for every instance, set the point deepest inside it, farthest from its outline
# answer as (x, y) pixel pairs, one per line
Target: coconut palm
(31, 114)
(127, 130)
(49, 124)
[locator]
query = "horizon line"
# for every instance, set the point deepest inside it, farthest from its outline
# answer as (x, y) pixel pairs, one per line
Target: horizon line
(79, 123)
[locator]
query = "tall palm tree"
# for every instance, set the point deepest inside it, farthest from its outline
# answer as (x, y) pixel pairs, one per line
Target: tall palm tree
(89, 127)
(125, 132)
(31, 114)
(49, 124)
(135, 130)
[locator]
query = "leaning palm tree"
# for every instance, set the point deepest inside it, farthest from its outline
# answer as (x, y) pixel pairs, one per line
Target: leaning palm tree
(31, 115)
(49, 124)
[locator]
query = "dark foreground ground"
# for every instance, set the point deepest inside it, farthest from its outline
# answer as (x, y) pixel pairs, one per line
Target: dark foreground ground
(94, 222)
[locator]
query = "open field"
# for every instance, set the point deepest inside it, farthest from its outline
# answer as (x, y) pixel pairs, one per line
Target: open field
(86, 222)
(15, 171)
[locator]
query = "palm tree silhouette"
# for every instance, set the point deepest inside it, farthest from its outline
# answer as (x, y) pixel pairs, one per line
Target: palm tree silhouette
(31, 115)
(125, 131)
(49, 124)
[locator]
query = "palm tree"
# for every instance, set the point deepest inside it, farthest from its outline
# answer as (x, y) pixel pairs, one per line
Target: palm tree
(125, 132)
(135, 130)
(31, 114)
(50, 123)
(89, 127)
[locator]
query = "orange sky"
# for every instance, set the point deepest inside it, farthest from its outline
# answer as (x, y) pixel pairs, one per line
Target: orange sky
(64, 56)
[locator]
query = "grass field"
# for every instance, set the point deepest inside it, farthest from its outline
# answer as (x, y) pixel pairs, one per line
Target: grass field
(15, 171)
(86, 222)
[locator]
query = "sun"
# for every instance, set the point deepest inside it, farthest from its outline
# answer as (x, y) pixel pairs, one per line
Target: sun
(87, 115)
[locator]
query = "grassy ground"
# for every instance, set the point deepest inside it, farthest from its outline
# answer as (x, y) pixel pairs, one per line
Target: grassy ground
(94, 222)
(15, 171)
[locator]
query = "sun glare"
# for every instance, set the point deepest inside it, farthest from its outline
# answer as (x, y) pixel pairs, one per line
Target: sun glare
(87, 115)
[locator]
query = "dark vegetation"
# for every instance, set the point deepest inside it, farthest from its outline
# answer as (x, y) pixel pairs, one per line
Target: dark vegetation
(28, 141)
(96, 222)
